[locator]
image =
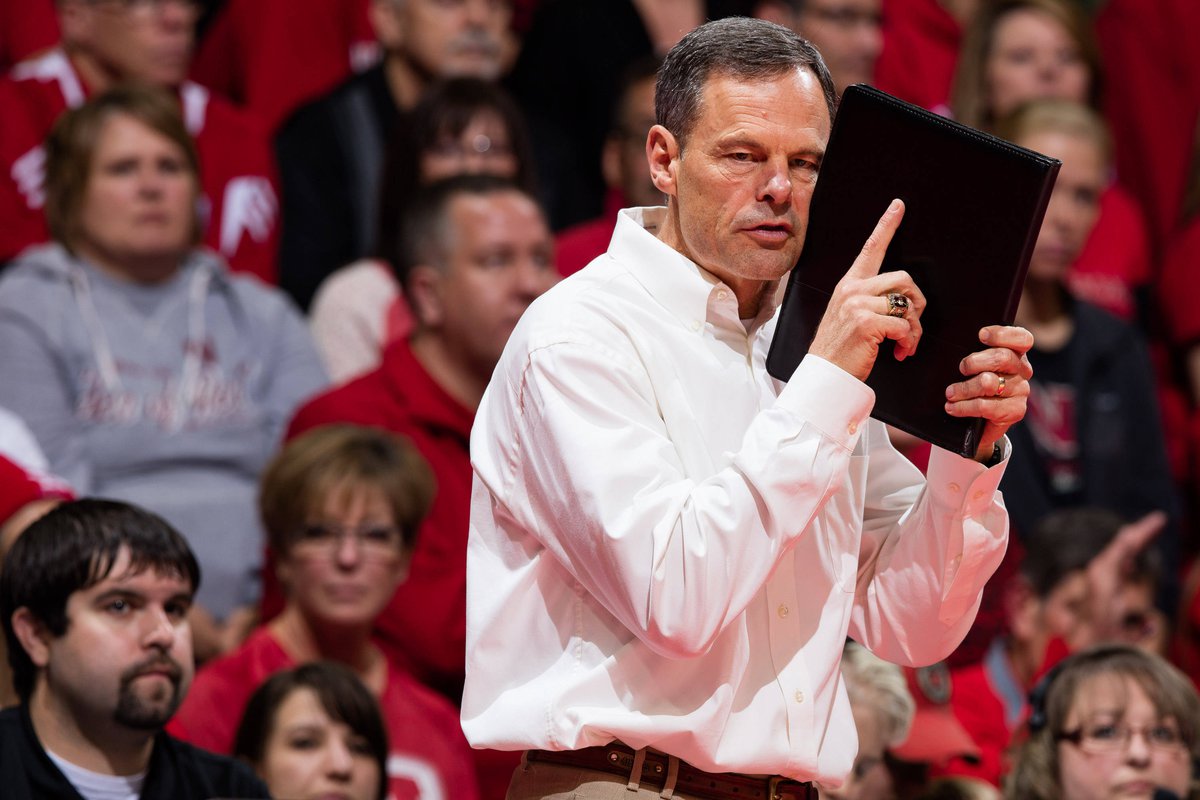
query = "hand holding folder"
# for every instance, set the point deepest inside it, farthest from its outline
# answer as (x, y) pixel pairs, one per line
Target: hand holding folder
(973, 205)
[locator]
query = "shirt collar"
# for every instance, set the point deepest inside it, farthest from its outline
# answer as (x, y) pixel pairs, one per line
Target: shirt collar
(687, 290)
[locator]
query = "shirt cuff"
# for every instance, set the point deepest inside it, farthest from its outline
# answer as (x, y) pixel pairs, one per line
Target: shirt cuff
(830, 398)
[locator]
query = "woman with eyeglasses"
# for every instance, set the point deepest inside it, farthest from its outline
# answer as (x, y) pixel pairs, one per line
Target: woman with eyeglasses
(341, 505)
(1110, 722)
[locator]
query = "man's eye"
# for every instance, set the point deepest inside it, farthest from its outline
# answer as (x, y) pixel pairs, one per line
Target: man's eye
(740, 156)
(177, 611)
(119, 606)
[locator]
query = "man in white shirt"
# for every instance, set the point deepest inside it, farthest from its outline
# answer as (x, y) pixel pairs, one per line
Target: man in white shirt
(668, 547)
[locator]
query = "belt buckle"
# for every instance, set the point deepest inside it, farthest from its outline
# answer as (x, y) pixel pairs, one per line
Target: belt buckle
(775, 793)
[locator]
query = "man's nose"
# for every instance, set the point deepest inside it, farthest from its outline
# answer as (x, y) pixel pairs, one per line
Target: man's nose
(776, 183)
(160, 629)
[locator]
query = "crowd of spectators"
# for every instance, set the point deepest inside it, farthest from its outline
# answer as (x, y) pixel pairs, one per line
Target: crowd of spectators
(259, 259)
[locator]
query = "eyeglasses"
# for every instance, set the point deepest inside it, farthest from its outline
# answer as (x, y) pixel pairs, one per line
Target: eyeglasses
(325, 540)
(1110, 738)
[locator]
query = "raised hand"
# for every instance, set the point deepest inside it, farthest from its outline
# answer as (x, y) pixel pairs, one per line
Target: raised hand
(860, 314)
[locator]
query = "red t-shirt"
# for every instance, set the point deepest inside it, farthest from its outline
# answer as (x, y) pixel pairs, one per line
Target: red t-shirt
(26, 27)
(428, 755)
(272, 56)
(1152, 100)
(920, 51)
(237, 168)
(1115, 260)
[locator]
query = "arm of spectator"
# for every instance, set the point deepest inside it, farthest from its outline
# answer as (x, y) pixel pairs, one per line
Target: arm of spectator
(1109, 570)
(294, 370)
(37, 388)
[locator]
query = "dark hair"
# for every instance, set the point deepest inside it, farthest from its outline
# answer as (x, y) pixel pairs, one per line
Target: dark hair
(71, 146)
(1035, 775)
(738, 47)
(311, 467)
(73, 548)
(341, 694)
(1065, 541)
(423, 235)
(640, 69)
(444, 111)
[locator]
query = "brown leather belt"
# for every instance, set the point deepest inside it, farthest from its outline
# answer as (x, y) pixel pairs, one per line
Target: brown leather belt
(618, 759)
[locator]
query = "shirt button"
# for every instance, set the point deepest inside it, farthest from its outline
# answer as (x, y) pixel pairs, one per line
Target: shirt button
(954, 487)
(782, 611)
(695, 324)
(978, 495)
(852, 427)
(799, 696)
(721, 295)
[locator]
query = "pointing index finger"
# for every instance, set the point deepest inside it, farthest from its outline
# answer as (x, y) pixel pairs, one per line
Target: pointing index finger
(870, 258)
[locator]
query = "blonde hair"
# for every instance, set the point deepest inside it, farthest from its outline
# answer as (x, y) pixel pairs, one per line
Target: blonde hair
(873, 682)
(1057, 116)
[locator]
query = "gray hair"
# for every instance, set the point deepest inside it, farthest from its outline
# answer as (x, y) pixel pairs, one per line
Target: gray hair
(738, 47)
(875, 683)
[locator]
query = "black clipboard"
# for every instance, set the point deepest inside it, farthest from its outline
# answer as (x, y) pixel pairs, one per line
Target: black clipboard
(973, 208)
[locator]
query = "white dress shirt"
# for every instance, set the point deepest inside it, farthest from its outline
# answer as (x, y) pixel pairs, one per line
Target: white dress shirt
(669, 547)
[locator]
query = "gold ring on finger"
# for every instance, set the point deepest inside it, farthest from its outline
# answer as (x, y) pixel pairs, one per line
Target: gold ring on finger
(1000, 387)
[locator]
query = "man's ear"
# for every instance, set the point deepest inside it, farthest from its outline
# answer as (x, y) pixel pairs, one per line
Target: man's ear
(425, 295)
(662, 154)
(32, 635)
(387, 24)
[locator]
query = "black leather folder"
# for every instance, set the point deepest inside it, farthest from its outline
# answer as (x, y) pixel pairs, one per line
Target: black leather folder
(973, 207)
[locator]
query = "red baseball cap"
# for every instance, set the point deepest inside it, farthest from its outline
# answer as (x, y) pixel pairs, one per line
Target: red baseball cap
(20, 486)
(936, 735)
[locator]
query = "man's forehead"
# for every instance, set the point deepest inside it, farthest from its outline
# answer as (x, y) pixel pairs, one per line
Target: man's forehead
(123, 573)
(727, 100)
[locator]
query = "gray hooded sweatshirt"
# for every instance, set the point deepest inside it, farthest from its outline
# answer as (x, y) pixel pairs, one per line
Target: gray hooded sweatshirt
(171, 396)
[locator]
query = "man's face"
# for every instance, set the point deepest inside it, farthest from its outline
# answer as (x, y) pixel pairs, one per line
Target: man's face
(741, 185)
(499, 259)
(454, 38)
(849, 34)
(625, 150)
(126, 656)
(149, 41)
